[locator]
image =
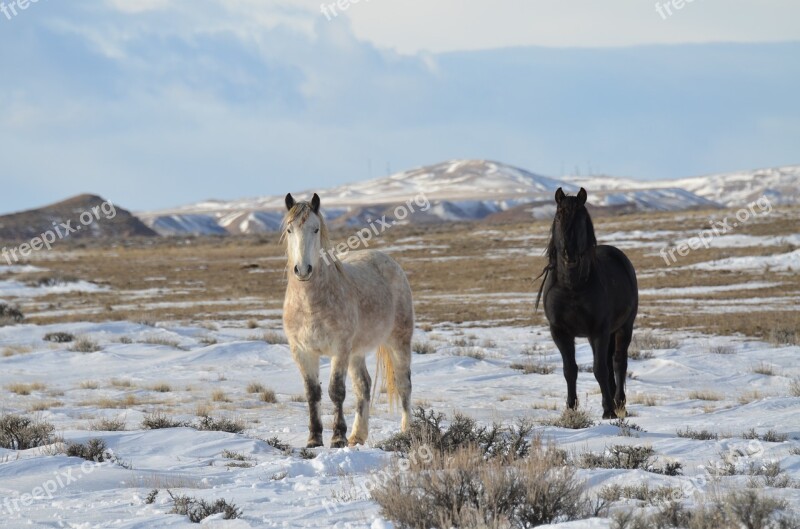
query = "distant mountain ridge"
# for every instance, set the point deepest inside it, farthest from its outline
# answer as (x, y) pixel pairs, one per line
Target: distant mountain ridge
(100, 219)
(479, 189)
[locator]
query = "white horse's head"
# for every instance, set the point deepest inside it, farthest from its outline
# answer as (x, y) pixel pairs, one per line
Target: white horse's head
(306, 236)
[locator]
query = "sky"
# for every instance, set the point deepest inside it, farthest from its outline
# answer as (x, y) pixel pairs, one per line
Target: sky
(161, 103)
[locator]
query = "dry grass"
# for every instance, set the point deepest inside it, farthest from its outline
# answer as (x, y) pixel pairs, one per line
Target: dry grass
(643, 399)
(25, 389)
(764, 369)
(440, 294)
(268, 396)
(89, 384)
(219, 396)
(255, 387)
(540, 368)
(12, 350)
(84, 344)
(702, 394)
(750, 396)
(161, 387)
(44, 405)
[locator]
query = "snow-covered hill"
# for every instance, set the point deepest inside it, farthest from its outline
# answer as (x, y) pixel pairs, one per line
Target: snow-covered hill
(475, 189)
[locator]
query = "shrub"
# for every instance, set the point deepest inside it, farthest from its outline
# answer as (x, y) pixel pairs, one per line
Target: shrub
(539, 368)
(269, 396)
(9, 314)
(94, 450)
(471, 352)
(464, 489)
(159, 420)
(255, 387)
(221, 424)
(198, 510)
(626, 457)
(576, 419)
(84, 344)
(59, 337)
(641, 492)
(277, 444)
(423, 348)
(306, 453)
(737, 509)
(427, 429)
(108, 425)
(274, 338)
(702, 435)
(21, 433)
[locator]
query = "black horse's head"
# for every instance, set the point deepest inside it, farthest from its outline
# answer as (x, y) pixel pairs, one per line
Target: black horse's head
(572, 239)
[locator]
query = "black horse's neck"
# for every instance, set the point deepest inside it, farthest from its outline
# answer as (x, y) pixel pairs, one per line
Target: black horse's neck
(573, 227)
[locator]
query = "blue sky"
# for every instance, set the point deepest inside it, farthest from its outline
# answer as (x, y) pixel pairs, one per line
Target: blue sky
(157, 103)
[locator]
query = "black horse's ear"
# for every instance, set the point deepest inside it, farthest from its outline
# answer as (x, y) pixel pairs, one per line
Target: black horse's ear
(315, 203)
(582, 196)
(289, 201)
(559, 195)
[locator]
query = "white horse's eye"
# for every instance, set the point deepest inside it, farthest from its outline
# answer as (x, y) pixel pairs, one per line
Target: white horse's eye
(289, 230)
(316, 231)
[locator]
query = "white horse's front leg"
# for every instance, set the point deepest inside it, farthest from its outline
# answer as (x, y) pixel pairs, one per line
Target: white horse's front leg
(309, 369)
(361, 385)
(337, 390)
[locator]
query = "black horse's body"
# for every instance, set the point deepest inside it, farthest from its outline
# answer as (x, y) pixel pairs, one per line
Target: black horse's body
(589, 291)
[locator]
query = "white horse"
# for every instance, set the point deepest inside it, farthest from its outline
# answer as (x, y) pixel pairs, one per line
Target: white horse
(344, 308)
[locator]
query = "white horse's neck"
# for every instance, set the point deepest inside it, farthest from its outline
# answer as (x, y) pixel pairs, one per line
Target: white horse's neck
(325, 288)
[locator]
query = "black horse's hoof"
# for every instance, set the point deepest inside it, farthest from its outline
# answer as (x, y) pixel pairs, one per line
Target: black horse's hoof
(609, 415)
(314, 443)
(338, 443)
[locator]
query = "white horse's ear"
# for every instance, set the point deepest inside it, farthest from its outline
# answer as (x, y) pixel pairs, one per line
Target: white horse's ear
(315, 203)
(559, 195)
(582, 196)
(289, 201)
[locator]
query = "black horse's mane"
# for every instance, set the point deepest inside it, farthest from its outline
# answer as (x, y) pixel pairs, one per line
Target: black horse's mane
(569, 215)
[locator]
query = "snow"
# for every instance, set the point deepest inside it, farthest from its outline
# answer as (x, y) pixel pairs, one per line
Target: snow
(15, 289)
(281, 490)
(782, 262)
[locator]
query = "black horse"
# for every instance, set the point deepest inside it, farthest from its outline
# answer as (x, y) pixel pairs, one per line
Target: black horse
(589, 291)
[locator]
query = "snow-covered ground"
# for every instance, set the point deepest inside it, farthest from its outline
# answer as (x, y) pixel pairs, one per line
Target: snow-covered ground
(278, 490)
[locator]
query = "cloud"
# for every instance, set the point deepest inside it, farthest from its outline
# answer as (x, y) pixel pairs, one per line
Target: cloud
(171, 102)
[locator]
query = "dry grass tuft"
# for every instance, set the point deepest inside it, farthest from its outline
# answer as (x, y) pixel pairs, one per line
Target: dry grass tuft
(219, 396)
(25, 389)
(704, 395)
(540, 368)
(84, 344)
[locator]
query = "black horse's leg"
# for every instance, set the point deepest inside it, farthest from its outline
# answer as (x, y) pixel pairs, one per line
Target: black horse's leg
(622, 342)
(612, 346)
(600, 350)
(566, 346)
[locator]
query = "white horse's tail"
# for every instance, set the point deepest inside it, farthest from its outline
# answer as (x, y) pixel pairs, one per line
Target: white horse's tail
(385, 371)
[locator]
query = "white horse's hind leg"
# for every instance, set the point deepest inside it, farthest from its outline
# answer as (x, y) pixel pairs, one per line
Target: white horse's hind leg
(400, 349)
(361, 386)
